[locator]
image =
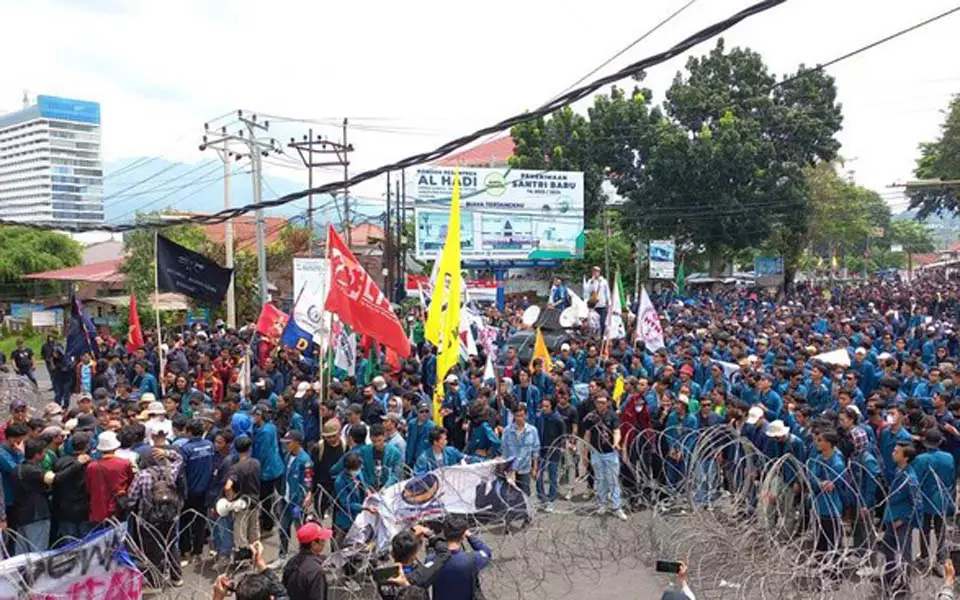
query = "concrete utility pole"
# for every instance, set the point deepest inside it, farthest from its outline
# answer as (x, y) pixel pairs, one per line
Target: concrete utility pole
(324, 149)
(222, 147)
(346, 190)
(256, 149)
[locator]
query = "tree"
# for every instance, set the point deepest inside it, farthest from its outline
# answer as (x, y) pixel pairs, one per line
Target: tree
(24, 250)
(561, 142)
(939, 159)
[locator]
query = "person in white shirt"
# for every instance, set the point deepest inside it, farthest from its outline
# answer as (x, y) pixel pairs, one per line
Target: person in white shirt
(597, 289)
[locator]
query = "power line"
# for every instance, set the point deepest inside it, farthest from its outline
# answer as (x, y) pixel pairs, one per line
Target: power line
(444, 149)
(869, 46)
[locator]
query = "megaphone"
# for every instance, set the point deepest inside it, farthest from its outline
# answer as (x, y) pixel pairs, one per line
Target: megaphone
(531, 315)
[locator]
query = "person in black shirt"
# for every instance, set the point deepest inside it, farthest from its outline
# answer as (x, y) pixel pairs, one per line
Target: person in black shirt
(324, 455)
(71, 501)
(22, 358)
(602, 437)
(404, 548)
(303, 575)
(243, 482)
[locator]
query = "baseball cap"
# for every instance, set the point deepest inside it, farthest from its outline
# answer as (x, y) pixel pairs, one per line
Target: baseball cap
(302, 388)
(392, 417)
(754, 415)
(312, 532)
(293, 436)
(18, 404)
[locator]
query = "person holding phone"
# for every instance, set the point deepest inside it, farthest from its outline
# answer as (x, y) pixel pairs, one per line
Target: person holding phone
(684, 592)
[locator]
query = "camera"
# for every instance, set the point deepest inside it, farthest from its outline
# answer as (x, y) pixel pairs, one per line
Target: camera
(242, 554)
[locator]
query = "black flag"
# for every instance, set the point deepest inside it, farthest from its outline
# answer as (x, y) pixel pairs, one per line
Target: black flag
(190, 273)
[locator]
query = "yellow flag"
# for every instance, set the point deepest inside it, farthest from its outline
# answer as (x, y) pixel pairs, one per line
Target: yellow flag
(540, 351)
(442, 328)
(618, 391)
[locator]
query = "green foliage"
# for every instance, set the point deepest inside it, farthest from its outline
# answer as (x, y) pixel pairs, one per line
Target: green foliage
(24, 251)
(939, 159)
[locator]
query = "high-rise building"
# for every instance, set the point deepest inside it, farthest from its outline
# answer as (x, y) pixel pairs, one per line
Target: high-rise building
(50, 166)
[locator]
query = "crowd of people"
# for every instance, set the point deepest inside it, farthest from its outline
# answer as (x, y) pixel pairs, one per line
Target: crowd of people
(205, 458)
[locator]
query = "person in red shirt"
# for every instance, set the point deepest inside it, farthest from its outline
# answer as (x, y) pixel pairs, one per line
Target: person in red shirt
(107, 479)
(211, 385)
(636, 430)
(18, 414)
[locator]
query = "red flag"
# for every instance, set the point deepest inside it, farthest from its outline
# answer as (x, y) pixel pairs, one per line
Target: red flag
(357, 300)
(392, 360)
(134, 333)
(271, 323)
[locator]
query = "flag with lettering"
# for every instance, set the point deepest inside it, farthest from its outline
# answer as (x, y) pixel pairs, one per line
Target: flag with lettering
(358, 301)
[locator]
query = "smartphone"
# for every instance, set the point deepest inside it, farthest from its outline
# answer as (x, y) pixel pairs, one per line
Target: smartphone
(383, 574)
(668, 566)
(242, 554)
(955, 558)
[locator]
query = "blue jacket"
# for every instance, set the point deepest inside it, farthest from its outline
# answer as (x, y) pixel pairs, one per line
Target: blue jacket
(9, 459)
(484, 438)
(197, 465)
(418, 439)
(349, 499)
(865, 475)
(773, 403)
(428, 462)
(266, 449)
(935, 471)
(888, 441)
(148, 383)
(531, 394)
(298, 477)
(903, 501)
(821, 469)
(818, 397)
(392, 465)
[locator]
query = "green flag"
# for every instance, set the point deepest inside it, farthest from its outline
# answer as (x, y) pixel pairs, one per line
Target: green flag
(681, 281)
(371, 370)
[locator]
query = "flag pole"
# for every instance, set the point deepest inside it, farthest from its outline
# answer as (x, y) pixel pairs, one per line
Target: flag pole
(156, 304)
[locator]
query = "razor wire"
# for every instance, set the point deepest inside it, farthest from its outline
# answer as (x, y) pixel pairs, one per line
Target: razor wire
(740, 520)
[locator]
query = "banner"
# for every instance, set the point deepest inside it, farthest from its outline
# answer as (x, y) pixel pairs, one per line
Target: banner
(357, 299)
(662, 258)
(311, 285)
(648, 323)
(480, 490)
(615, 326)
(507, 214)
(345, 349)
(95, 568)
(190, 273)
(768, 271)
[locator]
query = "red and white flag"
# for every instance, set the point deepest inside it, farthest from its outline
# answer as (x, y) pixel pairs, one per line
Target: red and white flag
(357, 300)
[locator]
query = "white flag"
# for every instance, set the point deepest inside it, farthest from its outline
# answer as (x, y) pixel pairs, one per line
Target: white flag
(488, 372)
(615, 328)
(648, 324)
(345, 352)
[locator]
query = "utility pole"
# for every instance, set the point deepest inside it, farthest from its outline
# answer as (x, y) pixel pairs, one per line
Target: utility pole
(256, 149)
(387, 243)
(399, 278)
(222, 148)
(346, 190)
(324, 149)
(636, 284)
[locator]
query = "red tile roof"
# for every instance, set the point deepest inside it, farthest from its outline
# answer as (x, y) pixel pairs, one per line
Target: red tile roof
(107, 271)
(245, 230)
(495, 152)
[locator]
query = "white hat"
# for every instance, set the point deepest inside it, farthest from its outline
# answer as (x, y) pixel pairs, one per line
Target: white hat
(754, 415)
(451, 379)
(684, 398)
(148, 397)
(861, 351)
(155, 408)
(302, 388)
(883, 356)
(777, 429)
(107, 442)
(752, 358)
(564, 346)
(379, 383)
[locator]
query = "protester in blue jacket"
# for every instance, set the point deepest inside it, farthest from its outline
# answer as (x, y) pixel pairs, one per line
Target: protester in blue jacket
(892, 435)
(197, 455)
(902, 514)
(382, 463)
(351, 491)
(439, 454)
(418, 433)
(865, 476)
(11, 455)
(266, 449)
(295, 487)
(825, 473)
(936, 474)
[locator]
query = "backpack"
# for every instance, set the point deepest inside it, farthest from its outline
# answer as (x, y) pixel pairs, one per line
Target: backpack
(164, 503)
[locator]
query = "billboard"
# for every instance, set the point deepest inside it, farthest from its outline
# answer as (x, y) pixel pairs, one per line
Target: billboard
(505, 214)
(662, 258)
(768, 271)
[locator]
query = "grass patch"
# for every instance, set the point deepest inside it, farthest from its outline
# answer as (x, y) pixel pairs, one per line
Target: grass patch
(9, 342)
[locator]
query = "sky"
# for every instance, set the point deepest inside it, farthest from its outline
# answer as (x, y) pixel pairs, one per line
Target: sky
(412, 75)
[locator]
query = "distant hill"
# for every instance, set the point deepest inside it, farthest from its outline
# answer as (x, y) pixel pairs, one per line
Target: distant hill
(147, 185)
